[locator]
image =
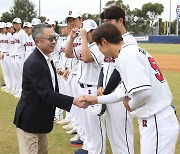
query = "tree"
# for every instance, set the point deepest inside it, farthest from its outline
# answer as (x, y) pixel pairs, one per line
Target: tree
(94, 17)
(7, 17)
(23, 9)
(151, 13)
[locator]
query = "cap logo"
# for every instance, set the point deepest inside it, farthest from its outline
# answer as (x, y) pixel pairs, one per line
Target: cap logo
(70, 12)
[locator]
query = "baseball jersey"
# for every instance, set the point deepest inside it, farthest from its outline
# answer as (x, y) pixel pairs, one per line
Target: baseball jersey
(30, 45)
(2, 37)
(74, 62)
(55, 53)
(63, 60)
(12, 43)
(139, 71)
(20, 40)
(7, 43)
(88, 72)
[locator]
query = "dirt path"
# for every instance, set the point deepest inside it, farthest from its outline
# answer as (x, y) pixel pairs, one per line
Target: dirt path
(168, 62)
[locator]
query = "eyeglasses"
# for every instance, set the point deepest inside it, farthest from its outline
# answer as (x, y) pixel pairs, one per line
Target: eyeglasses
(51, 38)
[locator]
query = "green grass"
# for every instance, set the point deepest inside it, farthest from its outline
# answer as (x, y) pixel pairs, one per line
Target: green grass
(58, 139)
(170, 49)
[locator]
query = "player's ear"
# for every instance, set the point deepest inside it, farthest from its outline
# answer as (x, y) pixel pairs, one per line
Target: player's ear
(104, 42)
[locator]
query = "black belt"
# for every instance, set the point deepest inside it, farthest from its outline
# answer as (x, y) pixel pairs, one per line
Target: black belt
(84, 85)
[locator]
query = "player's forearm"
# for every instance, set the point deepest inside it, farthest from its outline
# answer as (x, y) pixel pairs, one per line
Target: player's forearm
(140, 98)
(109, 99)
(86, 54)
(69, 49)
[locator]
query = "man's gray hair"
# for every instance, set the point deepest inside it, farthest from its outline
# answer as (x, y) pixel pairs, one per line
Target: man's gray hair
(38, 30)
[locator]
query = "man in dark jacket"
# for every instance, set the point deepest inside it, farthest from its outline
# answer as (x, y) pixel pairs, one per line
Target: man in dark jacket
(40, 95)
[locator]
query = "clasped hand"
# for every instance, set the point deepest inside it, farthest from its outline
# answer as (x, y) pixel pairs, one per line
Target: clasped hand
(84, 101)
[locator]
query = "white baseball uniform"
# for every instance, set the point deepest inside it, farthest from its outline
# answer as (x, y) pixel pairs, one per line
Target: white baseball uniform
(158, 123)
(30, 46)
(77, 115)
(19, 52)
(118, 120)
(87, 78)
(6, 61)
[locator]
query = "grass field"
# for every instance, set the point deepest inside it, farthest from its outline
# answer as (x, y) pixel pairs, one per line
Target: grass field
(58, 140)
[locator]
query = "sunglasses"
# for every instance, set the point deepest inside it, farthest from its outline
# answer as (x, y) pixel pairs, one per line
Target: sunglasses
(51, 38)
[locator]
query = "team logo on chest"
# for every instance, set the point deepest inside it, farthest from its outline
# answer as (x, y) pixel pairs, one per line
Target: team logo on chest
(144, 123)
(89, 91)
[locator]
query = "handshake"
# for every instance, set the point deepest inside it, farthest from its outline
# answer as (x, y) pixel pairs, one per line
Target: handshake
(85, 100)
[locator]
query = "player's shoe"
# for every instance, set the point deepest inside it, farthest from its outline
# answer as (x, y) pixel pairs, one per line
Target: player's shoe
(75, 138)
(77, 143)
(62, 122)
(68, 127)
(72, 131)
(81, 151)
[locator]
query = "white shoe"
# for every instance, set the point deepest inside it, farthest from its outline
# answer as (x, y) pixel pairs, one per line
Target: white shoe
(68, 127)
(2, 88)
(75, 138)
(72, 131)
(63, 122)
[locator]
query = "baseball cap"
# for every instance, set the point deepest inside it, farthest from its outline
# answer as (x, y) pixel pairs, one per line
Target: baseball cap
(62, 24)
(50, 22)
(89, 24)
(27, 24)
(73, 14)
(17, 20)
(9, 24)
(2, 24)
(35, 21)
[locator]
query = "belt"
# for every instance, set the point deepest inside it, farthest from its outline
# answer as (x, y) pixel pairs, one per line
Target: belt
(84, 85)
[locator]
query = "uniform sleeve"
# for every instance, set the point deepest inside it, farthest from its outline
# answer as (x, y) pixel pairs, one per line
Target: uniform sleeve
(133, 72)
(23, 38)
(97, 55)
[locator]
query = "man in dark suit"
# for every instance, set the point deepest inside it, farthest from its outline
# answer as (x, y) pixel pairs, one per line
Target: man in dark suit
(40, 95)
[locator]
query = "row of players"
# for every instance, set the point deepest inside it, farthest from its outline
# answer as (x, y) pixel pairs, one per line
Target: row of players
(79, 62)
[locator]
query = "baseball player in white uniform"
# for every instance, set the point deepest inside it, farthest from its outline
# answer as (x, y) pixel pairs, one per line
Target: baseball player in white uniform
(118, 120)
(7, 60)
(90, 60)
(9, 27)
(20, 38)
(147, 94)
(74, 20)
(30, 44)
(62, 66)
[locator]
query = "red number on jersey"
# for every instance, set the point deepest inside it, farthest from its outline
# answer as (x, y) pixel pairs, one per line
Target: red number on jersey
(153, 64)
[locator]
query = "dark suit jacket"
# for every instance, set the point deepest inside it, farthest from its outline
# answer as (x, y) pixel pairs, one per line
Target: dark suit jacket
(35, 109)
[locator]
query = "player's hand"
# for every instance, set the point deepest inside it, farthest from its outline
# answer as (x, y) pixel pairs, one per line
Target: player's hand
(66, 74)
(58, 70)
(83, 33)
(80, 102)
(126, 104)
(100, 91)
(74, 32)
(92, 100)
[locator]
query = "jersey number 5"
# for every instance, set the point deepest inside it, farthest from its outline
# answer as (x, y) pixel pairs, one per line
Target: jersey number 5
(153, 64)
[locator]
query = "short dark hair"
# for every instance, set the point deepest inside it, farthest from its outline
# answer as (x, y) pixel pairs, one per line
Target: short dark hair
(107, 31)
(114, 12)
(38, 30)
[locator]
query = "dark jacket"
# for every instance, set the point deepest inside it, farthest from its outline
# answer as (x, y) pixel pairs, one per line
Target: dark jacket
(35, 109)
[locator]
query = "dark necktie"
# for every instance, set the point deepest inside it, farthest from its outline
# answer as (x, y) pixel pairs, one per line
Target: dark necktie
(56, 81)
